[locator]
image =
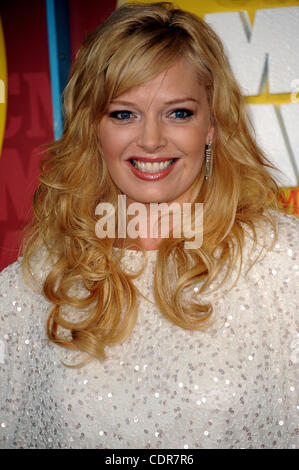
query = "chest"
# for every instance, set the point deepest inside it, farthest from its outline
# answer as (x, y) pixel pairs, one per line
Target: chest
(165, 387)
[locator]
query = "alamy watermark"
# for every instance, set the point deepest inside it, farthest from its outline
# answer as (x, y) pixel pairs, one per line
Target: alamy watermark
(154, 220)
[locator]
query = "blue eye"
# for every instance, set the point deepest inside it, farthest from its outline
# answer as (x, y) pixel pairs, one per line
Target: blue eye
(182, 113)
(121, 115)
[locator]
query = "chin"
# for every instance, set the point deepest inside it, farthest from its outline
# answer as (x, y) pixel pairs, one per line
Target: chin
(152, 200)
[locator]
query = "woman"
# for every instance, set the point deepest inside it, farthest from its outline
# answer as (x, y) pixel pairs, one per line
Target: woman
(169, 347)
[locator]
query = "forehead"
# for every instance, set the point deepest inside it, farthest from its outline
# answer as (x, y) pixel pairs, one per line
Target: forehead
(177, 82)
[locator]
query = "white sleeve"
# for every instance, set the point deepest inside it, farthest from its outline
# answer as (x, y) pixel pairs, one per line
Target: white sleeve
(287, 317)
(289, 354)
(11, 327)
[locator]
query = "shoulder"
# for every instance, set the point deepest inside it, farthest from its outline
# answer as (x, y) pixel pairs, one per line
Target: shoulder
(277, 243)
(287, 228)
(13, 293)
(20, 296)
(15, 304)
(280, 284)
(10, 277)
(23, 314)
(282, 259)
(39, 267)
(285, 243)
(270, 266)
(271, 271)
(270, 274)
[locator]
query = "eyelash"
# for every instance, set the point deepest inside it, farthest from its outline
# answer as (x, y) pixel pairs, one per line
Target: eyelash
(115, 114)
(187, 112)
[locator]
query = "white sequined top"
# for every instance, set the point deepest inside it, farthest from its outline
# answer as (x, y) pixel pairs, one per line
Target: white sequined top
(233, 386)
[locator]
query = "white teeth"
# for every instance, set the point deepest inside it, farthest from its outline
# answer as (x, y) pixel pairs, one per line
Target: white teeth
(151, 167)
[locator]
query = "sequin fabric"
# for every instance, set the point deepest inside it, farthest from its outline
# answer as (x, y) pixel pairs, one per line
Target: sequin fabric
(233, 386)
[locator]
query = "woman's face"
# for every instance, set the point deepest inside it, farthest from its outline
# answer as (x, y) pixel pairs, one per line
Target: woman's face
(154, 135)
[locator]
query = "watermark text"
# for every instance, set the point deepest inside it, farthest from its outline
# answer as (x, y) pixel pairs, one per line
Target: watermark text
(154, 220)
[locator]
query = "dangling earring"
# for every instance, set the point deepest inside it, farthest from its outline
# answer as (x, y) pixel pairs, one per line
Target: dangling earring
(209, 159)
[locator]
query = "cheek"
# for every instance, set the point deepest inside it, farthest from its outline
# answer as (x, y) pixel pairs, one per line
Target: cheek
(109, 146)
(113, 144)
(195, 144)
(192, 138)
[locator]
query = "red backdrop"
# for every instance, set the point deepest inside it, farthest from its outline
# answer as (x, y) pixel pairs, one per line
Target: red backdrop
(29, 124)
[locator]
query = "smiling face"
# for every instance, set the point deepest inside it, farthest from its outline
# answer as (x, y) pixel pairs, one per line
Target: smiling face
(154, 135)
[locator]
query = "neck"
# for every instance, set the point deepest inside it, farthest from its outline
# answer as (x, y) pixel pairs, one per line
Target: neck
(148, 224)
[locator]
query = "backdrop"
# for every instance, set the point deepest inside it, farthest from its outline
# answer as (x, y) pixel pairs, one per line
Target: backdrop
(262, 44)
(29, 120)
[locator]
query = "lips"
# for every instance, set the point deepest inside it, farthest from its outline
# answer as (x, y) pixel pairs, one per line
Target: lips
(150, 160)
(151, 169)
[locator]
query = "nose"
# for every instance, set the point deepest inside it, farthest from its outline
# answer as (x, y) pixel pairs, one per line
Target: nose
(152, 135)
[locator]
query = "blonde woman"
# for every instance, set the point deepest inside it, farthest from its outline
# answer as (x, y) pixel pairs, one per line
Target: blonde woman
(140, 341)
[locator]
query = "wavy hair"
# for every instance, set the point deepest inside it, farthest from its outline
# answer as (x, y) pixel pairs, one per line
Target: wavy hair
(135, 44)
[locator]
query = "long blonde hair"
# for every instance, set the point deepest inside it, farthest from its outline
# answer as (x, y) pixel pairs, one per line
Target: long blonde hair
(135, 44)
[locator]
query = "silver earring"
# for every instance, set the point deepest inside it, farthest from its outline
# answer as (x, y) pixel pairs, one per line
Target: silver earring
(209, 159)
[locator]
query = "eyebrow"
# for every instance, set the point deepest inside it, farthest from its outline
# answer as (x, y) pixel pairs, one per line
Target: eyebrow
(175, 101)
